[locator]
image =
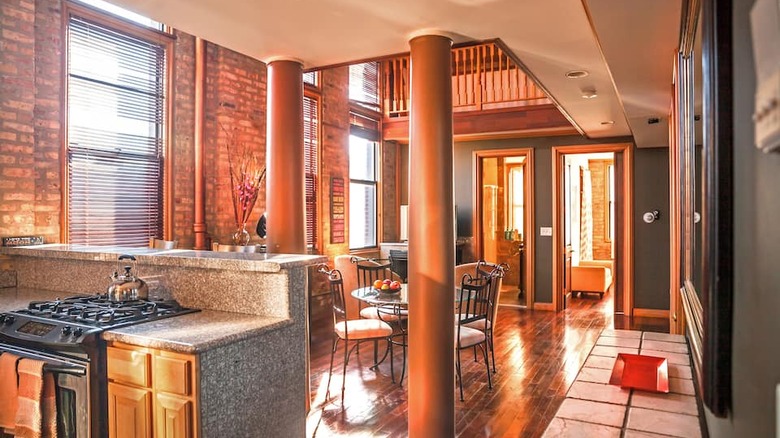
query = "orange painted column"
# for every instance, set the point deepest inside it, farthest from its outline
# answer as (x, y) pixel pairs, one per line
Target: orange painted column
(431, 241)
(284, 187)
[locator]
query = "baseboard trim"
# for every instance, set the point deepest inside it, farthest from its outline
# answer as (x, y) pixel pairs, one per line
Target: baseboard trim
(544, 306)
(651, 313)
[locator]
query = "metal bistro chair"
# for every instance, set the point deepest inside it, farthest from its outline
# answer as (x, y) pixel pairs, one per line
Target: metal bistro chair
(473, 306)
(349, 330)
(496, 275)
(368, 271)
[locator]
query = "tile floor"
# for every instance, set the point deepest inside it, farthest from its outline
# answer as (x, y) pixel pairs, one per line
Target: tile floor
(593, 407)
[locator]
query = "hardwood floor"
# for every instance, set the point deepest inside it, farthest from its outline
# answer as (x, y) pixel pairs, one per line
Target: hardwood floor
(538, 355)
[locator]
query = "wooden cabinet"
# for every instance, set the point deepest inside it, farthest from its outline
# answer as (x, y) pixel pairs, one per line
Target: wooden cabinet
(151, 393)
(129, 411)
(173, 416)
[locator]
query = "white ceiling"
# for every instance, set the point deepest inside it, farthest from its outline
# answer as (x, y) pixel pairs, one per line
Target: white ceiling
(626, 46)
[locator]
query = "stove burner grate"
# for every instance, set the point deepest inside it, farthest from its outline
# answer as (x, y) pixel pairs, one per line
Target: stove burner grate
(98, 311)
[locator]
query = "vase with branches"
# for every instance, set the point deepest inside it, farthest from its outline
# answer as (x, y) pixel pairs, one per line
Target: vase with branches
(246, 176)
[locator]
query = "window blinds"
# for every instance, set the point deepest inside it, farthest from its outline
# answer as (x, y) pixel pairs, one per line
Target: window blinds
(116, 120)
(364, 84)
(310, 151)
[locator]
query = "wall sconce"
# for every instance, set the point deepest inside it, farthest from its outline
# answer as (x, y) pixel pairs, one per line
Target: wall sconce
(651, 216)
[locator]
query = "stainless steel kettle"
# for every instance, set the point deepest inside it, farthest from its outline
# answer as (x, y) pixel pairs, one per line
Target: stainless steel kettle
(127, 286)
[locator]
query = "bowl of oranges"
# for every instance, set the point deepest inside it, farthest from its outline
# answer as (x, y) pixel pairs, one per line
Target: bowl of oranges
(387, 286)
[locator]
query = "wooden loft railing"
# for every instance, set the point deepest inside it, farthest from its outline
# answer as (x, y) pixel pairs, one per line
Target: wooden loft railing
(483, 77)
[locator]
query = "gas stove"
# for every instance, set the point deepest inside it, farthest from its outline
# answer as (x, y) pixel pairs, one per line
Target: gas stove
(73, 321)
(65, 335)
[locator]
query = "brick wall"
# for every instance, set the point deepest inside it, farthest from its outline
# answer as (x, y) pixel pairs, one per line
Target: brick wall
(390, 193)
(335, 146)
(235, 108)
(235, 99)
(31, 45)
(602, 247)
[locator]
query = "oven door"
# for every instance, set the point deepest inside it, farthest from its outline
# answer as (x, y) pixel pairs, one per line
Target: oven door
(72, 381)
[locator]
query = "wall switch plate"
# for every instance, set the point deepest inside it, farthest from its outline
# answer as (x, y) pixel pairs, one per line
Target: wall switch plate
(545, 231)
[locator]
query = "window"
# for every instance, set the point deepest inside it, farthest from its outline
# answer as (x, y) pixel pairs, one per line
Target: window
(364, 85)
(116, 99)
(124, 13)
(311, 78)
(311, 152)
(516, 204)
(363, 154)
(362, 192)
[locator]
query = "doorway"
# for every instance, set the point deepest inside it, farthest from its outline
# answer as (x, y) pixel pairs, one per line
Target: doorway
(504, 219)
(592, 227)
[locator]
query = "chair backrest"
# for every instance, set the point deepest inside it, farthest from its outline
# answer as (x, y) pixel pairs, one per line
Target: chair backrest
(221, 247)
(370, 270)
(496, 274)
(399, 263)
(474, 302)
(349, 274)
(156, 243)
(336, 283)
(466, 268)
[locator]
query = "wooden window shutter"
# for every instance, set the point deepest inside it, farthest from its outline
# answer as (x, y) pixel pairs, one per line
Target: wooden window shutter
(311, 170)
(116, 124)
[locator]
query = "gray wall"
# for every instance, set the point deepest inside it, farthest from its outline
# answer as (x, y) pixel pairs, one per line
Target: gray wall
(652, 165)
(756, 355)
(651, 241)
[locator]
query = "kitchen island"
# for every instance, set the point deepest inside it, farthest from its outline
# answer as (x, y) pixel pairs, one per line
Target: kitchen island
(249, 341)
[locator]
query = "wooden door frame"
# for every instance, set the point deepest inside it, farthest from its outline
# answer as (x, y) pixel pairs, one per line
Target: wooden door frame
(528, 210)
(626, 274)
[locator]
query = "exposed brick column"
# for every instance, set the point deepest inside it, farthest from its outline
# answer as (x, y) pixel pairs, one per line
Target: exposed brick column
(17, 101)
(285, 193)
(431, 241)
(46, 119)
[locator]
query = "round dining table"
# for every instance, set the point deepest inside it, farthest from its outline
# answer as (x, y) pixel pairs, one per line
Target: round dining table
(398, 299)
(379, 298)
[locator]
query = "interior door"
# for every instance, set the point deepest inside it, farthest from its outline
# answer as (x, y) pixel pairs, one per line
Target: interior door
(567, 232)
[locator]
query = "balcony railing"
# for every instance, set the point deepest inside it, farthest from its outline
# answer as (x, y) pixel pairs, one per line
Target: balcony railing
(483, 77)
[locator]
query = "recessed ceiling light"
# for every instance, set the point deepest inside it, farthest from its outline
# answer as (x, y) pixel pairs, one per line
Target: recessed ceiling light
(589, 93)
(576, 74)
(608, 122)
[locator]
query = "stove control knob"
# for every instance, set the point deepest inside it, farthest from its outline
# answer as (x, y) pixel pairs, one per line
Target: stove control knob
(8, 319)
(78, 332)
(66, 330)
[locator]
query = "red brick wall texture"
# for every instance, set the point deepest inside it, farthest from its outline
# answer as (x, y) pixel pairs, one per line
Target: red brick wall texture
(31, 90)
(31, 114)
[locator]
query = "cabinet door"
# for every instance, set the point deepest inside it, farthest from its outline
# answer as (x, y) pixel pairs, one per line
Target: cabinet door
(129, 412)
(173, 417)
(129, 366)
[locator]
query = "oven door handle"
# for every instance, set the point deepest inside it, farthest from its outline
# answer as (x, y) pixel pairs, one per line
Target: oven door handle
(64, 369)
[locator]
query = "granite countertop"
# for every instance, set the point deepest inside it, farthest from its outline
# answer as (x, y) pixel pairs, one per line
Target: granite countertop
(191, 333)
(196, 332)
(258, 262)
